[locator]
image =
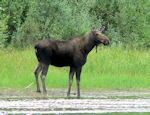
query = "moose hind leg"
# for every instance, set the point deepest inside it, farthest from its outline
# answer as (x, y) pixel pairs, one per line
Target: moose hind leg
(71, 74)
(78, 73)
(37, 71)
(43, 76)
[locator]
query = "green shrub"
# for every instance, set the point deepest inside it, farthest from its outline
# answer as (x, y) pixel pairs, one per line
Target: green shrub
(3, 31)
(24, 22)
(59, 20)
(126, 20)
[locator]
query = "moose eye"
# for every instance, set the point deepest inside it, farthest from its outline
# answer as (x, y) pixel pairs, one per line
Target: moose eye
(97, 34)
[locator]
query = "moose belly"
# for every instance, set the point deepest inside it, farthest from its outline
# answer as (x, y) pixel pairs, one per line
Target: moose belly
(61, 60)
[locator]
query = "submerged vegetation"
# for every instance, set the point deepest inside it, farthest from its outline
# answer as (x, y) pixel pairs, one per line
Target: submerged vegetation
(111, 68)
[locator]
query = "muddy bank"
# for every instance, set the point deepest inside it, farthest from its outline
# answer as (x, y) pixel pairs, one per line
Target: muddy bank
(62, 93)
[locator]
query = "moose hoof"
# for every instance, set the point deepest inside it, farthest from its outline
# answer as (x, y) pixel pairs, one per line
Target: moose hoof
(68, 96)
(44, 92)
(38, 91)
(78, 97)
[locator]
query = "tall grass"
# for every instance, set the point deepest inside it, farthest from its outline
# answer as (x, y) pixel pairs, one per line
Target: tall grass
(109, 69)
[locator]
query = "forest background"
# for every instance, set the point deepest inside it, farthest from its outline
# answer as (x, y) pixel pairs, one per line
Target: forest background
(23, 22)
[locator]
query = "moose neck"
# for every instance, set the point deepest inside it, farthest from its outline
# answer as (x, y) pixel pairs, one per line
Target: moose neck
(89, 43)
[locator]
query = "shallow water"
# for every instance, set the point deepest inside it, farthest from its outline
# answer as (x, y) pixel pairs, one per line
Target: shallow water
(74, 106)
(27, 102)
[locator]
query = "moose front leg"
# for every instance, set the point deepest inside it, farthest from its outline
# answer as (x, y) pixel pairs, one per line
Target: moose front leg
(78, 73)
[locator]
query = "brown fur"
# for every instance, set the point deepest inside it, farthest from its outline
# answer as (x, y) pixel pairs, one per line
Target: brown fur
(71, 52)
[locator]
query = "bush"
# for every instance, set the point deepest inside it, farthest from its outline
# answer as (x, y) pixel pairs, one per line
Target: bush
(15, 13)
(59, 20)
(3, 31)
(24, 22)
(126, 20)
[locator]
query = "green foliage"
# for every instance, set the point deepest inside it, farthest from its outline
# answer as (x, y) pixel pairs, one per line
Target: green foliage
(126, 20)
(3, 31)
(59, 20)
(24, 22)
(15, 11)
(133, 15)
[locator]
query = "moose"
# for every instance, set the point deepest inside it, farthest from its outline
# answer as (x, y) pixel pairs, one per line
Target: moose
(71, 52)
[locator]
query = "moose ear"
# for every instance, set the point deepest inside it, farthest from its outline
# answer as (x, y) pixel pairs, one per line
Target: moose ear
(102, 28)
(94, 28)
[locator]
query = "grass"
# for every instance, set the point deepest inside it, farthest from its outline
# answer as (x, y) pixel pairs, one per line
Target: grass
(109, 69)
